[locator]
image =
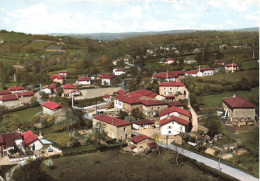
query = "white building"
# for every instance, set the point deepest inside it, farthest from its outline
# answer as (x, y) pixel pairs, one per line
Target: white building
(200, 72)
(173, 126)
(143, 124)
(84, 80)
(118, 71)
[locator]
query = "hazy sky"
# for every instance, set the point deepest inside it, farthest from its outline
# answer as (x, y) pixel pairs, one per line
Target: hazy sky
(95, 16)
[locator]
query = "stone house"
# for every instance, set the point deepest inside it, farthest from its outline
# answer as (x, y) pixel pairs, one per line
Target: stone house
(175, 111)
(173, 126)
(49, 89)
(176, 104)
(26, 97)
(108, 79)
(176, 89)
(115, 128)
(10, 101)
(58, 79)
(239, 109)
(31, 141)
(51, 108)
(141, 143)
(143, 124)
(152, 108)
(231, 67)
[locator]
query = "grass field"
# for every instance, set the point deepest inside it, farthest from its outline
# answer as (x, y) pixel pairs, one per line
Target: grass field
(252, 64)
(216, 99)
(8, 85)
(39, 45)
(9, 60)
(20, 119)
(114, 165)
(59, 138)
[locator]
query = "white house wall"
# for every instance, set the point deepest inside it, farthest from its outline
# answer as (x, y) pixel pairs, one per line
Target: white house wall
(172, 128)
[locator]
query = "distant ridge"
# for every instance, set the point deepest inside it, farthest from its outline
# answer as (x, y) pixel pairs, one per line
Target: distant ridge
(116, 36)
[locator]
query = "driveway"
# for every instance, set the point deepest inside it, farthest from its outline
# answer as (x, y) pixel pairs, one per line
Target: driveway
(234, 172)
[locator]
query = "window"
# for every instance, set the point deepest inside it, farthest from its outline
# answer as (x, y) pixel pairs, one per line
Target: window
(169, 127)
(169, 132)
(164, 88)
(124, 128)
(177, 88)
(170, 88)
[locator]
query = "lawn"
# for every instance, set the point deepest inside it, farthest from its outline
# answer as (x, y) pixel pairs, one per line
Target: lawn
(114, 165)
(61, 139)
(216, 99)
(8, 60)
(252, 64)
(20, 119)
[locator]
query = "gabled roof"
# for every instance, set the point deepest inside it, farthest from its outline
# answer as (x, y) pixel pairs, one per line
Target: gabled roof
(192, 72)
(52, 86)
(176, 103)
(238, 102)
(9, 138)
(9, 97)
(28, 138)
(107, 76)
(106, 96)
(17, 88)
(140, 138)
(163, 75)
(143, 122)
(85, 78)
(171, 84)
(113, 121)
(231, 65)
(75, 90)
(5, 92)
(175, 109)
(205, 69)
(57, 77)
(25, 94)
(119, 70)
(152, 102)
(146, 93)
(69, 86)
(171, 60)
(121, 92)
(175, 119)
(52, 105)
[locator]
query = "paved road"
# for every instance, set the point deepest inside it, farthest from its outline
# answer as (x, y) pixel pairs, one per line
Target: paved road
(236, 173)
(41, 102)
(132, 65)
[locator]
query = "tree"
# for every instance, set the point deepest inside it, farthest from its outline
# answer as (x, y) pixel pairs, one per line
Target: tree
(137, 114)
(99, 131)
(122, 114)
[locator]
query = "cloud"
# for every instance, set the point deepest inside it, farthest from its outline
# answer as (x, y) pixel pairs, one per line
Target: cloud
(238, 5)
(253, 16)
(134, 12)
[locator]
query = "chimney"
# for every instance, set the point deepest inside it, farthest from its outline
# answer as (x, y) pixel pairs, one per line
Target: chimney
(234, 95)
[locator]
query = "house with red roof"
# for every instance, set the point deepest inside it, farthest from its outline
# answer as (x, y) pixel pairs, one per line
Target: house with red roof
(26, 97)
(67, 89)
(50, 108)
(10, 101)
(118, 71)
(58, 78)
(173, 126)
(115, 128)
(141, 143)
(239, 109)
(50, 89)
(168, 76)
(121, 92)
(107, 98)
(85, 80)
(8, 141)
(176, 104)
(108, 79)
(64, 74)
(143, 124)
(75, 92)
(176, 89)
(170, 61)
(151, 108)
(200, 72)
(4, 92)
(175, 111)
(16, 89)
(219, 62)
(31, 142)
(232, 67)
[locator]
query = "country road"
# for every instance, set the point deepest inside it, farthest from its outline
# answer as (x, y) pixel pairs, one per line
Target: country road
(234, 172)
(41, 102)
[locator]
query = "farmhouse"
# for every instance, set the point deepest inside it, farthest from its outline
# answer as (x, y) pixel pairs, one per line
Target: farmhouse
(239, 109)
(17, 89)
(31, 141)
(200, 72)
(8, 141)
(84, 80)
(58, 79)
(152, 108)
(50, 89)
(4, 92)
(118, 71)
(108, 79)
(172, 89)
(231, 67)
(115, 128)
(173, 126)
(142, 142)
(142, 124)
(175, 111)
(168, 76)
(67, 90)
(50, 108)
(10, 100)
(25, 97)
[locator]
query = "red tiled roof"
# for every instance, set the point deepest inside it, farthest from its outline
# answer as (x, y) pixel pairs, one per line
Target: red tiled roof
(121, 92)
(52, 105)
(25, 94)
(174, 109)
(2, 141)
(107, 76)
(5, 92)
(205, 69)
(192, 72)
(152, 102)
(171, 84)
(9, 138)
(151, 145)
(139, 138)
(147, 93)
(169, 97)
(175, 119)
(171, 60)
(85, 78)
(113, 121)
(238, 102)
(57, 77)
(69, 86)
(231, 65)
(17, 88)
(143, 122)
(163, 75)
(106, 96)
(9, 97)
(75, 90)
(28, 138)
(132, 98)
(119, 70)
(177, 104)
